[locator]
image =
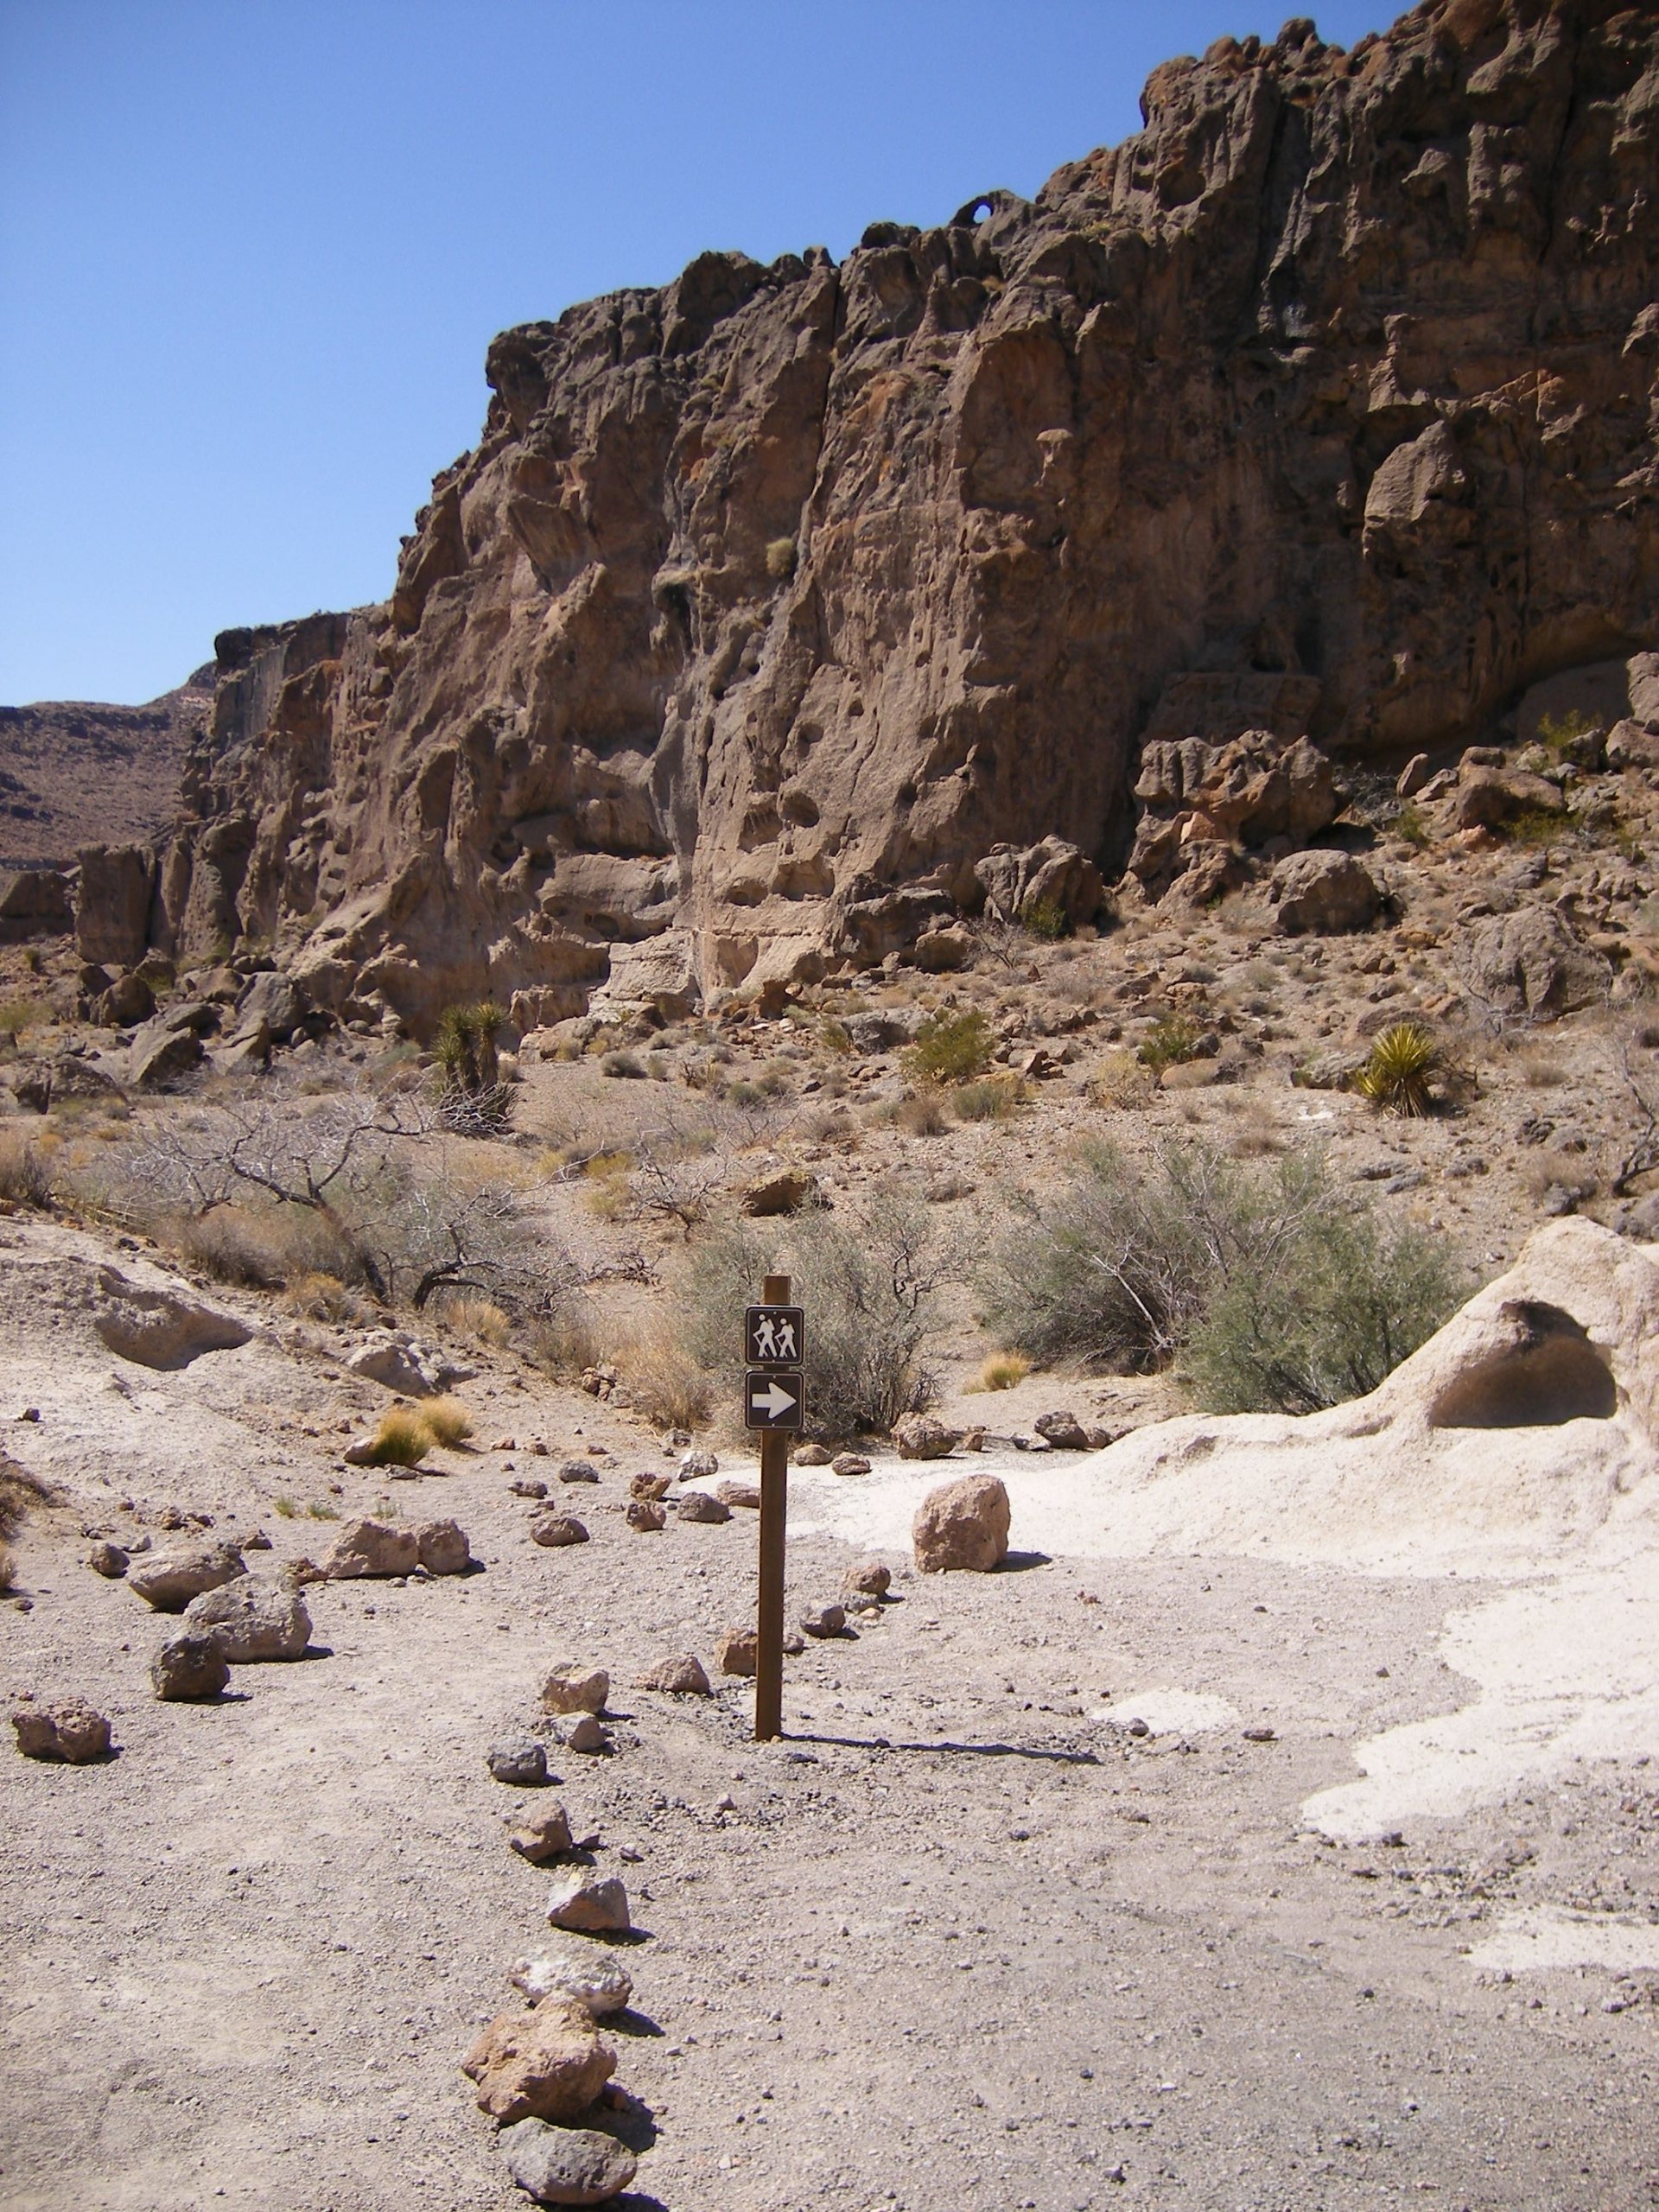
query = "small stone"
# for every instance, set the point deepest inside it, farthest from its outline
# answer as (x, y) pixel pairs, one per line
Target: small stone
(251, 1618)
(823, 1621)
(649, 1485)
(870, 1579)
(553, 1530)
(587, 1973)
(548, 2063)
(108, 1561)
(589, 1904)
(701, 1505)
(517, 1759)
(567, 2166)
(735, 1651)
(1064, 1430)
(576, 1470)
(698, 1463)
(683, 1675)
(1258, 1735)
(538, 1835)
(850, 1463)
(523, 1487)
(571, 1688)
(734, 1493)
(444, 1548)
(812, 1455)
(169, 1579)
(258, 1541)
(962, 1526)
(69, 1730)
(188, 1667)
(372, 1548)
(582, 1733)
(794, 1642)
(644, 1514)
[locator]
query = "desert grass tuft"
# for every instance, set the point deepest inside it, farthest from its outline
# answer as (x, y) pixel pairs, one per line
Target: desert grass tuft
(1002, 1370)
(447, 1421)
(403, 1439)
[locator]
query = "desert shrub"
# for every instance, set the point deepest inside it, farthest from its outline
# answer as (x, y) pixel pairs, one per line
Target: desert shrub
(626, 1065)
(1412, 825)
(447, 1421)
(954, 1044)
(19, 1491)
(25, 1175)
(1046, 917)
(320, 1509)
(780, 559)
(264, 1247)
(993, 1099)
(564, 1339)
(870, 1281)
(922, 1115)
(1329, 1324)
(322, 1297)
(667, 1384)
(285, 1508)
(403, 1439)
(1002, 1370)
(1404, 1064)
(7, 1568)
(481, 1319)
(18, 1015)
(835, 1038)
(1124, 1267)
(1121, 1080)
(1172, 1040)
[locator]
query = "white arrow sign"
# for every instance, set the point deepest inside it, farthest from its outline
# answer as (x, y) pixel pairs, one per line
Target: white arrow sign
(773, 1401)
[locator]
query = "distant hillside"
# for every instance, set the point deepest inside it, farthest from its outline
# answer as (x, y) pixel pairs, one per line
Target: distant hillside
(73, 772)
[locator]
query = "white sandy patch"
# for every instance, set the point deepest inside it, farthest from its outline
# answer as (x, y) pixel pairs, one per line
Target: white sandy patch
(1568, 1671)
(1529, 1942)
(1171, 1712)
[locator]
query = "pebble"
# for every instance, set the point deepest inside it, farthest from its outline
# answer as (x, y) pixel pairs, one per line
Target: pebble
(523, 1486)
(577, 1470)
(69, 1730)
(649, 1485)
(850, 1463)
(586, 1973)
(734, 1652)
(869, 1580)
(824, 1620)
(539, 1834)
(698, 1463)
(701, 1505)
(734, 1493)
(812, 1455)
(108, 1561)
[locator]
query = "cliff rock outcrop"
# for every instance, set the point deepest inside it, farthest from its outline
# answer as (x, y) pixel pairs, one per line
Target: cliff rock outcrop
(769, 604)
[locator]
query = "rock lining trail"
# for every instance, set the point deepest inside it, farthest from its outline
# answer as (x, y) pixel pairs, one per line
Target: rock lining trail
(1048, 1883)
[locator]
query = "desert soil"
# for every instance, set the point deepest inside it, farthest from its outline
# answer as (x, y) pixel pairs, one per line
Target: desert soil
(965, 1936)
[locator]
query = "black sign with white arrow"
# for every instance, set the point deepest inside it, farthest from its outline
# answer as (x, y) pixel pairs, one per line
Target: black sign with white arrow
(773, 1401)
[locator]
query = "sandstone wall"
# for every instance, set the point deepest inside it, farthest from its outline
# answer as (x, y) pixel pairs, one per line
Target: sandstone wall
(770, 592)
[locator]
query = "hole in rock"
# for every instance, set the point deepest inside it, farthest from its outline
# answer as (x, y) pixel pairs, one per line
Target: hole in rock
(1552, 1374)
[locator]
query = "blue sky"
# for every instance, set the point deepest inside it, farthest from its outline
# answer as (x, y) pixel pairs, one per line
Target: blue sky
(252, 251)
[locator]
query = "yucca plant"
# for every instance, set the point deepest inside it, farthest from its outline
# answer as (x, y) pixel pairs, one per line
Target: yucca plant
(1404, 1061)
(473, 1101)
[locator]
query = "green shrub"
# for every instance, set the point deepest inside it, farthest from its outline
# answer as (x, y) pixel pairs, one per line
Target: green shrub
(1411, 824)
(473, 1101)
(995, 1098)
(1404, 1061)
(621, 1064)
(1280, 1289)
(953, 1045)
(403, 1440)
(870, 1281)
(780, 559)
(1046, 917)
(1172, 1039)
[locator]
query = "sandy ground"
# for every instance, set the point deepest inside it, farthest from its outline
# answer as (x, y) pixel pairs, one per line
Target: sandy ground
(965, 1937)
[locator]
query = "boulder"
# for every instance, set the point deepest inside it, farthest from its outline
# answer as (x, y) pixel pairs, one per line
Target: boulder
(567, 2166)
(1197, 796)
(698, 1462)
(1063, 1430)
(787, 1191)
(571, 1688)
(34, 902)
(112, 898)
(589, 1904)
(1323, 894)
(444, 1548)
(127, 1002)
(69, 1729)
(190, 1667)
(41, 1085)
(548, 2063)
(170, 1578)
(735, 1493)
(701, 1505)
(371, 1547)
(406, 1365)
(160, 1053)
(1530, 963)
(682, 1676)
(251, 1618)
(645, 1516)
(1051, 878)
(555, 1530)
(539, 1835)
(962, 1526)
(735, 1650)
(918, 1436)
(852, 1463)
(576, 1470)
(587, 1973)
(1489, 798)
(159, 1328)
(271, 1002)
(823, 1621)
(649, 1485)
(108, 1561)
(518, 1759)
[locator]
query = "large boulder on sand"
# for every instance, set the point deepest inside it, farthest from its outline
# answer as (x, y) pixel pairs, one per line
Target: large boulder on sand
(364, 1547)
(169, 1579)
(251, 1618)
(962, 1525)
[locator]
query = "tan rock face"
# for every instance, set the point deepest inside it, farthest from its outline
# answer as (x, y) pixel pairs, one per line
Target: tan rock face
(548, 2063)
(772, 603)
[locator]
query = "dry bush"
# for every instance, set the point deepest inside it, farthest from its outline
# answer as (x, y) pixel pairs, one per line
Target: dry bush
(319, 1296)
(994, 1098)
(7, 1568)
(19, 1491)
(25, 1173)
(1542, 1071)
(666, 1383)
(481, 1319)
(261, 1247)
(1121, 1081)
(1002, 1370)
(924, 1115)
(403, 1439)
(447, 1422)
(564, 1340)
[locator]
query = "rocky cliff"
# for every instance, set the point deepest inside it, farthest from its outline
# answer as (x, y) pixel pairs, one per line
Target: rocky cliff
(770, 603)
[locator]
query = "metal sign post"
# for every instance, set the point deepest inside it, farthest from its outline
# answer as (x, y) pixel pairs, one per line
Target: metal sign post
(774, 1401)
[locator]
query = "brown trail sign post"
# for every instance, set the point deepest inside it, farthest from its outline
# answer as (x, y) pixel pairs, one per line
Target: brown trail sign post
(774, 1401)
